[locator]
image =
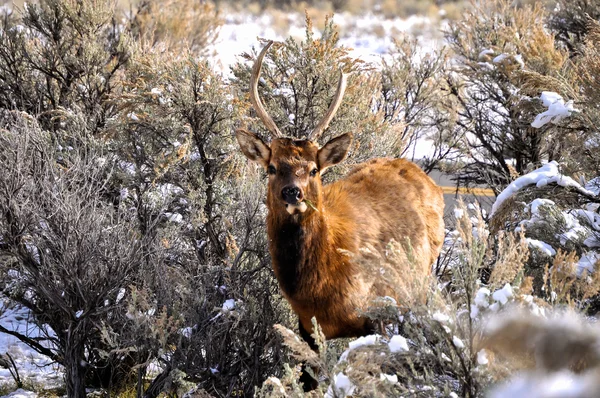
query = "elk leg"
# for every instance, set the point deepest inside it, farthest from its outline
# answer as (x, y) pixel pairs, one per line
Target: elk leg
(309, 382)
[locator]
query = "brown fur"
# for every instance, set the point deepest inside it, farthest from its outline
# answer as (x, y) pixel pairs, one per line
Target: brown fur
(376, 202)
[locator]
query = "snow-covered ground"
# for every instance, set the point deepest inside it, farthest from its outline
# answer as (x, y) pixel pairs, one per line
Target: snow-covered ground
(369, 36)
(33, 368)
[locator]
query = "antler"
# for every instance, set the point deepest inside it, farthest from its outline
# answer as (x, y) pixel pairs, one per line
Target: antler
(255, 99)
(268, 121)
(337, 101)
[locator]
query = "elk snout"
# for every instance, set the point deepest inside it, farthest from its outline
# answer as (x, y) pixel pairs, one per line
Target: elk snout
(292, 194)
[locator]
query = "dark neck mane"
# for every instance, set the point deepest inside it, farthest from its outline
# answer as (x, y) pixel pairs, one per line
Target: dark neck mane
(296, 246)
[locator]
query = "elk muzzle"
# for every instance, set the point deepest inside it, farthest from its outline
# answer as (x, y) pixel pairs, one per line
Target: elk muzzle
(292, 194)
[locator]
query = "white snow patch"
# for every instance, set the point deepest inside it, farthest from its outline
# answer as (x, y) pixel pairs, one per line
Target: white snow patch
(481, 297)
(587, 262)
(121, 294)
(20, 393)
(563, 384)
(398, 344)
(509, 58)
(502, 295)
(458, 212)
(174, 217)
(484, 53)
(360, 342)
(186, 332)
(557, 109)
(548, 173)
(391, 378)
(32, 365)
(482, 358)
(343, 386)
(480, 302)
(593, 186)
(228, 305)
(541, 246)
(458, 343)
(441, 318)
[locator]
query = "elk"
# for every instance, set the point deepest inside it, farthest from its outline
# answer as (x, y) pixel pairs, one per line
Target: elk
(312, 228)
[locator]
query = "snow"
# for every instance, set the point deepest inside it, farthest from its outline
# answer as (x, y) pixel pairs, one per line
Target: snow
(20, 393)
(587, 262)
(458, 343)
(343, 386)
(575, 231)
(187, 332)
(174, 217)
(543, 247)
(502, 295)
(594, 186)
(482, 358)
(591, 217)
(398, 344)
(363, 341)
(500, 58)
(519, 59)
(441, 318)
(368, 36)
(557, 109)
(391, 378)
(458, 212)
(32, 366)
(481, 297)
(562, 384)
(480, 302)
(546, 174)
(228, 305)
(360, 342)
(535, 205)
(121, 294)
(484, 53)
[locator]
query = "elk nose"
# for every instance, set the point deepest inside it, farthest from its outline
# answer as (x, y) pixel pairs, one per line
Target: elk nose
(291, 194)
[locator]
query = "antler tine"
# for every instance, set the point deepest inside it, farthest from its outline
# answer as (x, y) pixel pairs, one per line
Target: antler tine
(337, 101)
(255, 99)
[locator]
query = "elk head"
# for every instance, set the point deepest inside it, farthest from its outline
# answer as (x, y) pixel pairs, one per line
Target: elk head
(294, 166)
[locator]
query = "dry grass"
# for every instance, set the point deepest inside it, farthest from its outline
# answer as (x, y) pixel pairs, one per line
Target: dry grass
(176, 24)
(512, 253)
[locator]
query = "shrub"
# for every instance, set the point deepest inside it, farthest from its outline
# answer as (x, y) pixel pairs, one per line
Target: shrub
(116, 141)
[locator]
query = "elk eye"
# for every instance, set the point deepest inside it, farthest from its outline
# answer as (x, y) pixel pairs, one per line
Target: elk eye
(314, 172)
(271, 169)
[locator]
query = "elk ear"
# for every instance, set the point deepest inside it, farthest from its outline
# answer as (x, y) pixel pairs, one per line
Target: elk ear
(334, 151)
(253, 147)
